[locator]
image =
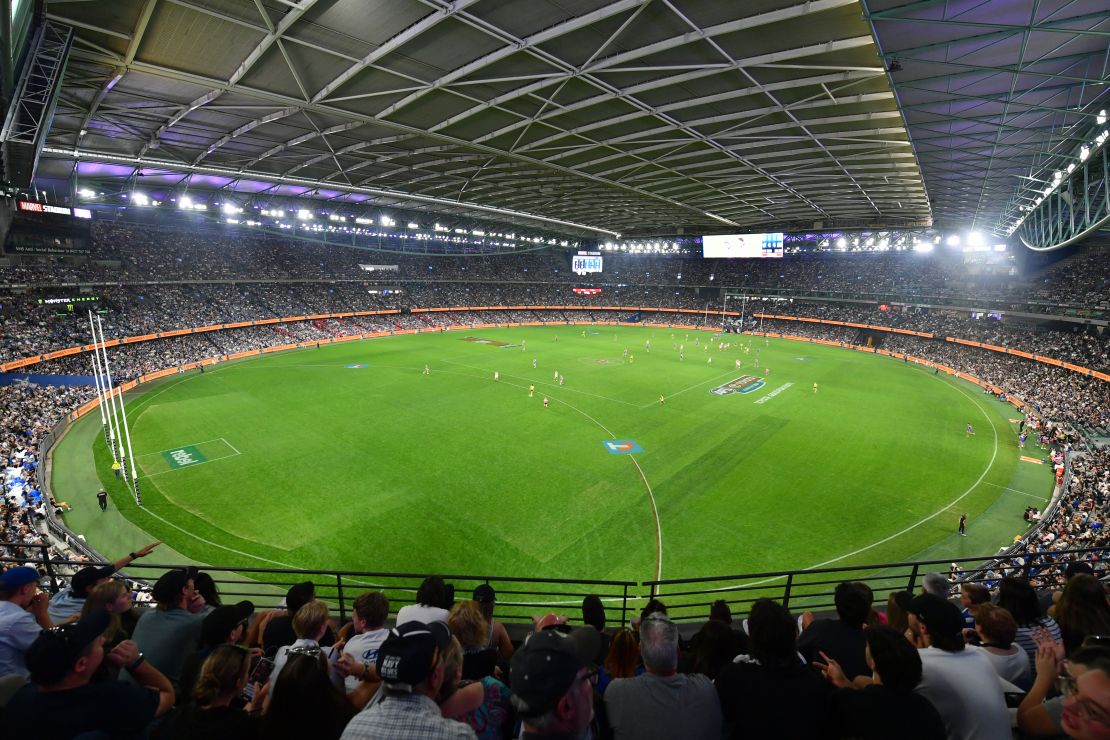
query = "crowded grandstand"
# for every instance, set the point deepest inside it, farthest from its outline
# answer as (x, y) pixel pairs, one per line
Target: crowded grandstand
(130, 270)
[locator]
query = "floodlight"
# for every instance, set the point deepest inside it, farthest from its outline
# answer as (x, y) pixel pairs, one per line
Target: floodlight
(953, 240)
(140, 199)
(1101, 117)
(86, 193)
(185, 202)
(975, 238)
(303, 214)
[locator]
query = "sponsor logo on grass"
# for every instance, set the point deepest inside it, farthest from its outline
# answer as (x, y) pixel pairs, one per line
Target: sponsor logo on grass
(492, 343)
(183, 457)
(743, 384)
(622, 446)
(774, 393)
(356, 366)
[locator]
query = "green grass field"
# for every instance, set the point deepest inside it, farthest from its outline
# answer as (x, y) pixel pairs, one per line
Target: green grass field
(299, 459)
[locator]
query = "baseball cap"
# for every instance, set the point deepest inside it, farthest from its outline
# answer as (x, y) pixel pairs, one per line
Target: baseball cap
(14, 578)
(86, 578)
(545, 666)
(55, 650)
(222, 620)
(940, 617)
(168, 588)
(407, 656)
(485, 594)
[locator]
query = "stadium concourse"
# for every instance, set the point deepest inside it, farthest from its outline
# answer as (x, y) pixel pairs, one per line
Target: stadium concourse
(168, 278)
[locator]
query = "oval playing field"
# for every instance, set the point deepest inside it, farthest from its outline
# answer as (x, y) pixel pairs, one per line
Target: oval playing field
(351, 457)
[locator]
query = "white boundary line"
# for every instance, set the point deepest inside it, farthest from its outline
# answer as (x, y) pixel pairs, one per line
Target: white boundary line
(191, 465)
(191, 444)
(697, 385)
(1014, 490)
(231, 446)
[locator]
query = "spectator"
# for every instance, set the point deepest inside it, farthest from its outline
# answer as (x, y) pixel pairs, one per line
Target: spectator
(552, 683)
(712, 648)
(485, 705)
(360, 651)
(1017, 596)
(309, 624)
(935, 584)
(23, 616)
(842, 638)
(475, 636)
(168, 633)
(206, 587)
(487, 598)
(897, 610)
(67, 603)
(971, 596)
(593, 615)
(305, 702)
(886, 705)
(771, 692)
(224, 625)
(662, 703)
(277, 627)
(960, 683)
(61, 703)
(211, 714)
(622, 661)
(412, 667)
(997, 629)
(719, 612)
(1082, 610)
(433, 600)
(1037, 717)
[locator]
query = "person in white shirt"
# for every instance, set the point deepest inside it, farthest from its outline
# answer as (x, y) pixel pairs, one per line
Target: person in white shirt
(360, 652)
(433, 599)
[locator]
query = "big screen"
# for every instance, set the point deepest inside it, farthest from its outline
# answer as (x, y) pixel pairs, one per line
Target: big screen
(729, 246)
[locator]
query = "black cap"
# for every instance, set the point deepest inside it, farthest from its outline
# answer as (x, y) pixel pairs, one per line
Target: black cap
(544, 667)
(407, 656)
(167, 589)
(940, 617)
(222, 620)
(85, 579)
(55, 650)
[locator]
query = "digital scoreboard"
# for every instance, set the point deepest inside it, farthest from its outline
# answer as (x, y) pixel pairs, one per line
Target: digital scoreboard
(584, 263)
(741, 246)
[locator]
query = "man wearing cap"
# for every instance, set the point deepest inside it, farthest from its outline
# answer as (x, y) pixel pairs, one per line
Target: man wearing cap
(69, 602)
(168, 633)
(61, 702)
(553, 683)
(224, 625)
(662, 703)
(410, 664)
(22, 616)
(959, 681)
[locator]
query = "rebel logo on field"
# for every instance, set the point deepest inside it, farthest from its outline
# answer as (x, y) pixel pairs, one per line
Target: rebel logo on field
(743, 384)
(622, 446)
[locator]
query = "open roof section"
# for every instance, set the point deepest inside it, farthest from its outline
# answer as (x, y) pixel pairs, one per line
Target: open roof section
(636, 116)
(996, 94)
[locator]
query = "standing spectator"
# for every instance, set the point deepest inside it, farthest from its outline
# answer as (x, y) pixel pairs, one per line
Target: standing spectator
(886, 705)
(841, 639)
(1082, 610)
(169, 632)
(662, 703)
(770, 692)
(552, 684)
(61, 703)
(210, 715)
(433, 600)
(411, 666)
(960, 683)
(22, 617)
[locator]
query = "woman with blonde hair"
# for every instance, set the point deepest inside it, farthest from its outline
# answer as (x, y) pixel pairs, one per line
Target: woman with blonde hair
(213, 714)
(114, 597)
(470, 626)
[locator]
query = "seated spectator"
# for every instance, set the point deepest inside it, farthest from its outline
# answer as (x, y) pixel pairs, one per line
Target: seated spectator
(360, 651)
(412, 668)
(23, 615)
(552, 684)
(1082, 610)
(276, 628)
(960, 683)
(771, 692)
(622, 661)
(487, 599)
(168, 633)
(886, 705)
(897, 614)
(662, 703)
(971, 596)
(996, 630)
(474, 634)
(224, 625)
(114, 597)
(713, 647)
(211, 714)
(309, 624)
(593, 615)
(485, 705)
(935, 584)
(1037, 717)
(61, 703)
(67, 603)
(305, 702)
(1017, 596)
(841, 638)
(433, 600)
(206, 587)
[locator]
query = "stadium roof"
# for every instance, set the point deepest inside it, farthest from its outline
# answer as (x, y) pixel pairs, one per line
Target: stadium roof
(632, 116)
